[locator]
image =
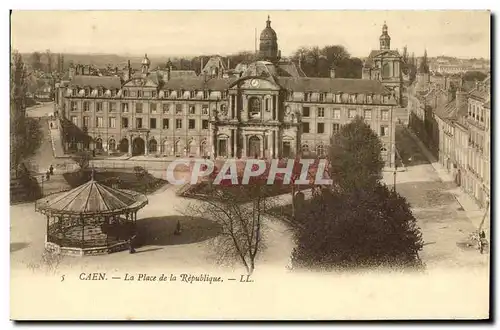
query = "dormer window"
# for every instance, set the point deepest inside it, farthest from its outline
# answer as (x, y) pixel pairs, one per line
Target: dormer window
(125, 93)
(206, 94)
(192, 94)
(307, 96)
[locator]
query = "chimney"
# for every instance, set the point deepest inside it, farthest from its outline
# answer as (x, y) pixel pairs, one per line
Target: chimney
(461, 99)
(332, 72)
(72, 72)
(169, 68)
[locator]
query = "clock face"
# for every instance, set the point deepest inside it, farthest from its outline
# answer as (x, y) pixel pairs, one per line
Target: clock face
(254, 83)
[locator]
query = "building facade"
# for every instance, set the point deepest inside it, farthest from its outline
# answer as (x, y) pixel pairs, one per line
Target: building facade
(465, 140)
(269, 110)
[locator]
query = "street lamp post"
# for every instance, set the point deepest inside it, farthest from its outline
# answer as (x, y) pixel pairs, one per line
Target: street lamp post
(42, 185)
(395, 171)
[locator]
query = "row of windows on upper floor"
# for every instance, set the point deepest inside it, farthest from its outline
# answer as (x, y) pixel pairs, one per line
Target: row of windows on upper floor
(139, 123)
(141, 108)
(179, 108)
(351, 113)
(368, 98)
(192, 124)
(101, 92)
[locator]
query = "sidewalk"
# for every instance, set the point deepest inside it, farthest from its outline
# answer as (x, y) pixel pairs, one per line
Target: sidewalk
(472, 210)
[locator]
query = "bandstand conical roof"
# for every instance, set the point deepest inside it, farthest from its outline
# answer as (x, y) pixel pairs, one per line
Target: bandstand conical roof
(92, 198)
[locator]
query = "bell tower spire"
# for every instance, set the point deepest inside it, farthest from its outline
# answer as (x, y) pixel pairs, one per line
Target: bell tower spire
(385, 39)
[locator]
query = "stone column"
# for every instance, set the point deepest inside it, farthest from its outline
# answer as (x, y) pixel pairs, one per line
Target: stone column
(130, 138)
(211, 142)
(271, 144)
(235, 139)
(244, 109)
(262, 151)
(244, 147)
(146, 145)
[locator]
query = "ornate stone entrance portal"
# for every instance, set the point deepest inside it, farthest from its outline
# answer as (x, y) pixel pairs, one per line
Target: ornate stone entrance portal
(254, 147)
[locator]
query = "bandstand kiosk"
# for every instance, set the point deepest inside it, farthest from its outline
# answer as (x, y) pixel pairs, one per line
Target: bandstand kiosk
(91, 219)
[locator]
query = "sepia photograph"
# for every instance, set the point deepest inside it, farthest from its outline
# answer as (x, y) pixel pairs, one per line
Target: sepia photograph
(250, 165)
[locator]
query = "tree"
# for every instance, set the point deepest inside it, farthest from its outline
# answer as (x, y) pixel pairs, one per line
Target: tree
(239, 211)
(335, 54)
(361, 228)
(424, 65)
(354, 156)
(49, 60)
(25, 134)
(474, 75)
(36, 61)
(317, 62)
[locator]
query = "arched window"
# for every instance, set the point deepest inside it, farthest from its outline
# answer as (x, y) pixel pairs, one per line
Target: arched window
(177, 147)
(164, 147)
(254, 107)
(320, 150)
(98, 144)
(191, 148)
(112, 145)
(203, 148)
(153, 145)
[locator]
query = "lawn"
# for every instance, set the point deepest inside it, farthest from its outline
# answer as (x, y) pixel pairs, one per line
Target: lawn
(204, 188)
(145, 184)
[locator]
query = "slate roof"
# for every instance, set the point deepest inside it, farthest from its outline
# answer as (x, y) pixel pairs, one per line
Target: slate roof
(92, 198)
(96, 81)
(198, 83)
(215, 62)
(289, 69)
(448, 111)
(332, 85)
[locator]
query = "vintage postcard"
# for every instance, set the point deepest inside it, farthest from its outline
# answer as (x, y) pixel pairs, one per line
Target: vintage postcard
(250, 165)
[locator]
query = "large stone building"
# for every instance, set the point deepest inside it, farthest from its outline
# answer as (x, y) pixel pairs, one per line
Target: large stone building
(268, 110)
(460, 135)
(384, 64)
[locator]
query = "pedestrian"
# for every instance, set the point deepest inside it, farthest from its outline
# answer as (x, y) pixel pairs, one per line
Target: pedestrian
(47, 175)
(51, 170)
(482, 241)
(131, 245)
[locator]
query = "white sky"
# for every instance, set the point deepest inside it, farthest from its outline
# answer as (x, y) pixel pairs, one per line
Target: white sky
(454, 33)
